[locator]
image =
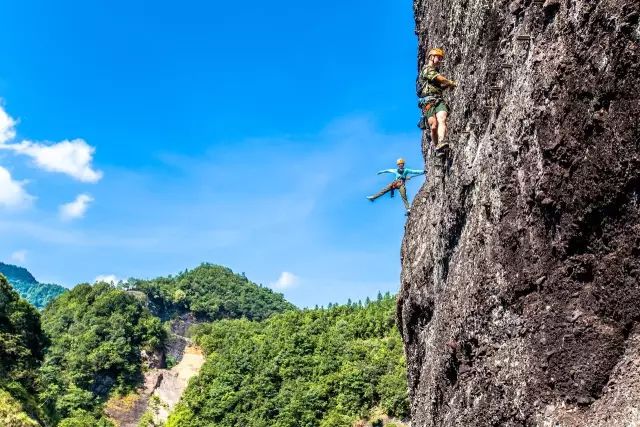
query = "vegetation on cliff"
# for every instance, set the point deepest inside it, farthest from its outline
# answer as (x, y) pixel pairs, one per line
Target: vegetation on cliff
(97, 334)
(21, 350)
(321, 367)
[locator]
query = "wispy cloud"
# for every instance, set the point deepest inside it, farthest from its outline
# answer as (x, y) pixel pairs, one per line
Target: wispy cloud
(53, 234)
(76, 209)
(12, 193)
(18, 257)
(285, 281)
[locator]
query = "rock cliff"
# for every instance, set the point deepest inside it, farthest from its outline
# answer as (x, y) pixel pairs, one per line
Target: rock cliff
(520, 295)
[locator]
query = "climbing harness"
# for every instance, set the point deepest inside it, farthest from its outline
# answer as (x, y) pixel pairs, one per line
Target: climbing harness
(396, 185)
(424, 104)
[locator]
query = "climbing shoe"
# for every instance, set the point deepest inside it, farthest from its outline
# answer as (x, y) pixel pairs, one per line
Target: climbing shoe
(407, 212)
(371, 198)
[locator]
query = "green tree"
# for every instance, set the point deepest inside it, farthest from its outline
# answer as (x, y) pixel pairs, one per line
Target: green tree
(22, 345)
(96, 333)
(308, 368)
(212, 292)
(21, 338)
(38, 294)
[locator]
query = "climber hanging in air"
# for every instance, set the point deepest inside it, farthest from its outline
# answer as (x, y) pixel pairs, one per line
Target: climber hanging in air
(431, 86)
(402, 175)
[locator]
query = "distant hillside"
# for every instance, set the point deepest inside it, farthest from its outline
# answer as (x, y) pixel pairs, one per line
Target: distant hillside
(211, 292)
(314, 368)
(38, 294)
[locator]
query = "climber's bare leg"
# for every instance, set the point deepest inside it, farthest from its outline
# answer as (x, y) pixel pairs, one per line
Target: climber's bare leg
(441, 118)
(433, 124)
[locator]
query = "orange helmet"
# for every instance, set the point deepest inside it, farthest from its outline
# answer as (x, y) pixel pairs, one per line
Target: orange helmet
(436, 52)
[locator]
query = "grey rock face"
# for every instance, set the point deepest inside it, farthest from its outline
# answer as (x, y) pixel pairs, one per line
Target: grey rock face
(520, 295)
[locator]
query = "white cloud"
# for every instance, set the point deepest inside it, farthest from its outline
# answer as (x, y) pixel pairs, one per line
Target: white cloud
(7, 126)
(75, 209)
(285, 281)
(107, 278)
(72, 158)
(12, 193)
(19, 257)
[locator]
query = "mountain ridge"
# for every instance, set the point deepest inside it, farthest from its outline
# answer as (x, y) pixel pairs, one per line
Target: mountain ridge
(21, 279)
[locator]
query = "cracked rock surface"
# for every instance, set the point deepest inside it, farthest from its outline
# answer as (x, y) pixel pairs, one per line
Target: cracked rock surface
(520, 299)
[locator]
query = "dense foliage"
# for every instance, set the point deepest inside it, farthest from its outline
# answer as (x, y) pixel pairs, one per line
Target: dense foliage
(211, 292)
(38, 294)
(13, 272)
(268, 364)
(12, 412)
(96, 335)
(21, 338)
(321, 367)
(21, 350)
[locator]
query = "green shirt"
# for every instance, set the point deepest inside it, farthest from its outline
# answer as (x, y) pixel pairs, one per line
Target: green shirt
(430, 85)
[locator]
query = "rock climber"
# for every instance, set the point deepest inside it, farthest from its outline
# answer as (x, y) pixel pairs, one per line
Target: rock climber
(431, 86)
(402, 175)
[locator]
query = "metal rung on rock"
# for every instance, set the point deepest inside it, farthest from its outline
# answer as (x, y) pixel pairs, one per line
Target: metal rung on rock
(523, 38)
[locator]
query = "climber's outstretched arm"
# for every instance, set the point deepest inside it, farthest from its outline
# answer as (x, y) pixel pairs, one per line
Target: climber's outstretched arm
(415, 171)
(386, 171)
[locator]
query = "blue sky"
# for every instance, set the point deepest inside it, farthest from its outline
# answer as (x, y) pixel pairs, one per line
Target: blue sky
(138, 139)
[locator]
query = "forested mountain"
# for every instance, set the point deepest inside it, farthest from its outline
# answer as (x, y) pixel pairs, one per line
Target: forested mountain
(97, 334)
(321, 367)
(211, 292)
(21, 350)
(268, 363)
(38, 294)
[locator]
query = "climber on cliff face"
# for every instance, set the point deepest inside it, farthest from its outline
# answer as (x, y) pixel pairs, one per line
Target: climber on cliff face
(431, 86)
(402, 175)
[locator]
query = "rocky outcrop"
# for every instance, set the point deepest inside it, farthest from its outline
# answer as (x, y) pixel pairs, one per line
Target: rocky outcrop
(126, 411)
(161, 391)
(520, 295)
(175, 381)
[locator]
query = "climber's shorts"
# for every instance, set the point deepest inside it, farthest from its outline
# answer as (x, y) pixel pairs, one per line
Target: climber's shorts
(434, 108)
